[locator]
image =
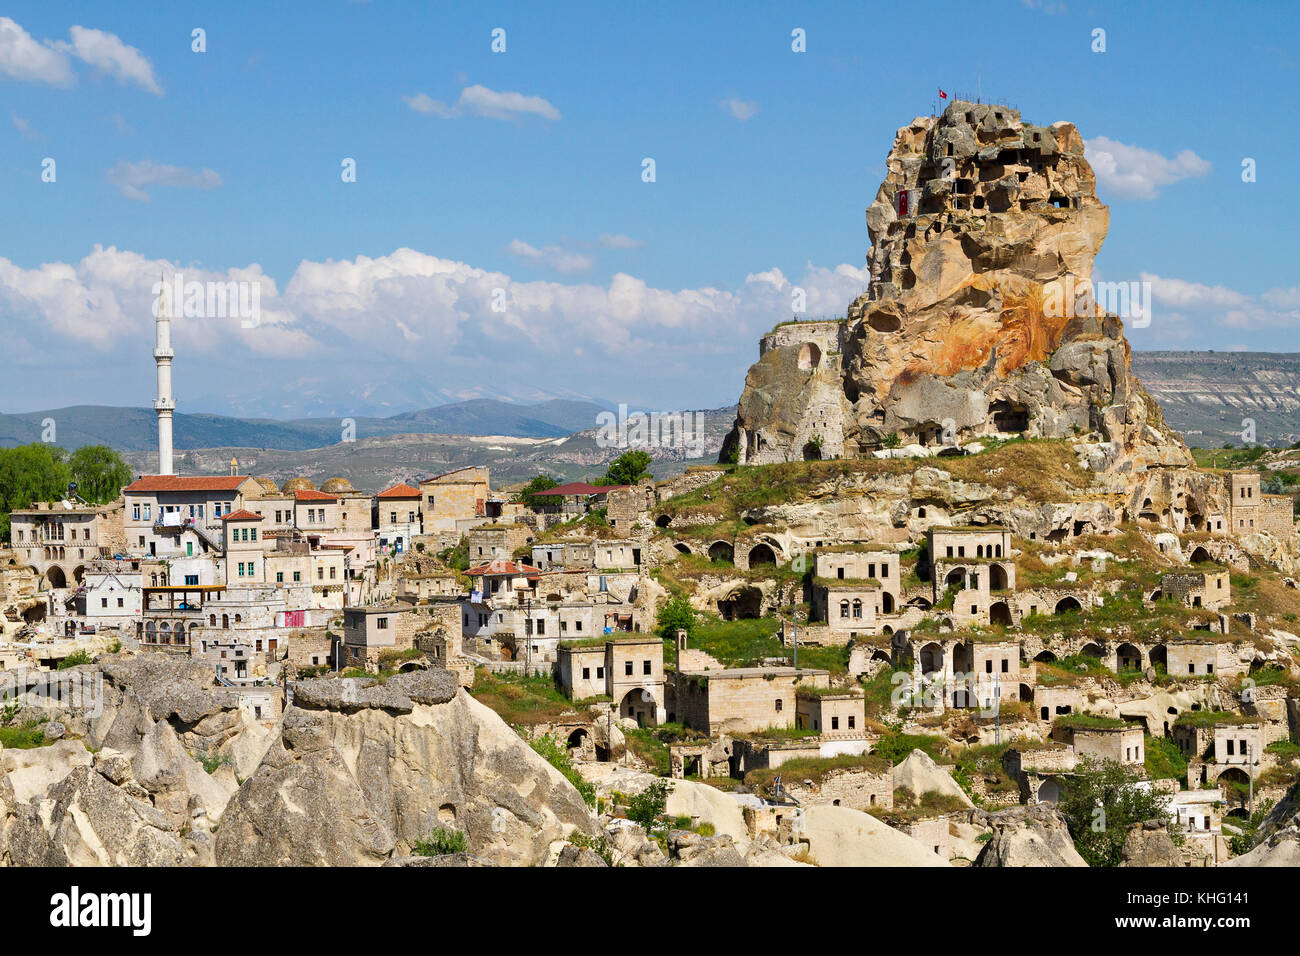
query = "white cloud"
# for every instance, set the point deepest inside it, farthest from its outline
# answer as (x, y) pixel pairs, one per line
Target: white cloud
(619, 241)
(480, 101)
(408, 315)
(1131, 172)
(740, 109)
(25, 128)
(1207, 307)
(22, 58)
(554, 257)
(120, 124)
(107, 53)
(131, 178)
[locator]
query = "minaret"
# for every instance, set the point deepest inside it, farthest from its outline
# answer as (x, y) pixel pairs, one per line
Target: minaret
(164, 403)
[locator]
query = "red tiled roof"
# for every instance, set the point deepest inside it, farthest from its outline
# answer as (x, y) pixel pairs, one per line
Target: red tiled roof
(580, 488)
(243, 514)
(187, 483)
(502, 566)
(402, 490)
(308, 494)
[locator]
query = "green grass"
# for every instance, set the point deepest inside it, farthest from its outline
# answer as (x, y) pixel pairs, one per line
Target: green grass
(815, 769)
(1164, 761)
(440, 842)
(895, 747)
(521, 701)
(1210, 718)
(24, 737)
(558, 757)
(745, 643)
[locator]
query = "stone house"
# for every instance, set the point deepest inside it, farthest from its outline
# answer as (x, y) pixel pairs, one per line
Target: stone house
(833, 715)
(59, 539)
(492, 542)
(628, 670)
(1198, 589)
(157, 504)
(370, 631)
(397, 517)
(454, 502)
(740, 700)
(1123, 745)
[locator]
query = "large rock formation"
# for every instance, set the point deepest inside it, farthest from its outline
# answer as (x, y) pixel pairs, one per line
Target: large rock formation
(980, 317)
(355, 772)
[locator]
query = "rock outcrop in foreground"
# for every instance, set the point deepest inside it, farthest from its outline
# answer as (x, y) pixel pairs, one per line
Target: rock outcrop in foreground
(354, 773)
(980, 317)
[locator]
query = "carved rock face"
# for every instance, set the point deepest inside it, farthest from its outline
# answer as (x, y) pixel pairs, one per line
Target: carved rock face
(980, 317)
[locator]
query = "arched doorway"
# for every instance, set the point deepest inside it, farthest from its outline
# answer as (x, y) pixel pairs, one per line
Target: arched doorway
(56, 577)
(1000, 614)
(1093, 650)
(721, 551)
(579, 739)
(931, 659)
(663, 521)
(741, 603)
(997, 577)
(1128, 658)
(681, 548)
(1159, 656)
(639, 704)
(812, 451)
(1049, 791)
(810, 357)
(1045, 657)
(1236, 787)
(79, 573)
(1200, 555)
(761, 554)
(956, 578)
(1066, 605)
(886, 603)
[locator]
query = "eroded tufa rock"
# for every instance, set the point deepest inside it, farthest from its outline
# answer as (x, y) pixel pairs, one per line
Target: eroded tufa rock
(980, 317)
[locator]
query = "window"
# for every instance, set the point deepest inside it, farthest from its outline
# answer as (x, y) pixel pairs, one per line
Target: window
(586, 673)
(279, 577)
(381, 623)
(103, 602)
(627, 668)
(600, 673)
(852, 723)
(780, 705)
(844, 609)
(835, 723)
(297, 576)
(645, 667)
(119, 602)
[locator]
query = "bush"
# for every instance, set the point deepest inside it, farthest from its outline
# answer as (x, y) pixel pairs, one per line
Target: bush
(441, 841)
(75, 659)
(550, 749)
(676, 615)
(647, 806)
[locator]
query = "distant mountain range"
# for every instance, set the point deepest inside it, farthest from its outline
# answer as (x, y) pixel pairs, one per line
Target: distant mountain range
(136, 429)
(1209, 396)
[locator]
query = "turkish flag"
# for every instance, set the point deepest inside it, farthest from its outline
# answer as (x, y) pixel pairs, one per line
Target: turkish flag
(942, 94)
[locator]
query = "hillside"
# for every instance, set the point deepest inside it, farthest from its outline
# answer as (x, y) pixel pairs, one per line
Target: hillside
(136, 429)
(1206, 395)
(377, 462)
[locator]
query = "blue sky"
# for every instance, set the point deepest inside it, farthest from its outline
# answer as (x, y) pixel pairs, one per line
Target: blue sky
(521, 170)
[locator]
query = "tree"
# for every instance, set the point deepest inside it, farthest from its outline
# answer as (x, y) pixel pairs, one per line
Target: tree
(30, 473)
(649, 805)
(676, 615)
(100, 473)
(528, 493)
(1101, 801)
(627, 469)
